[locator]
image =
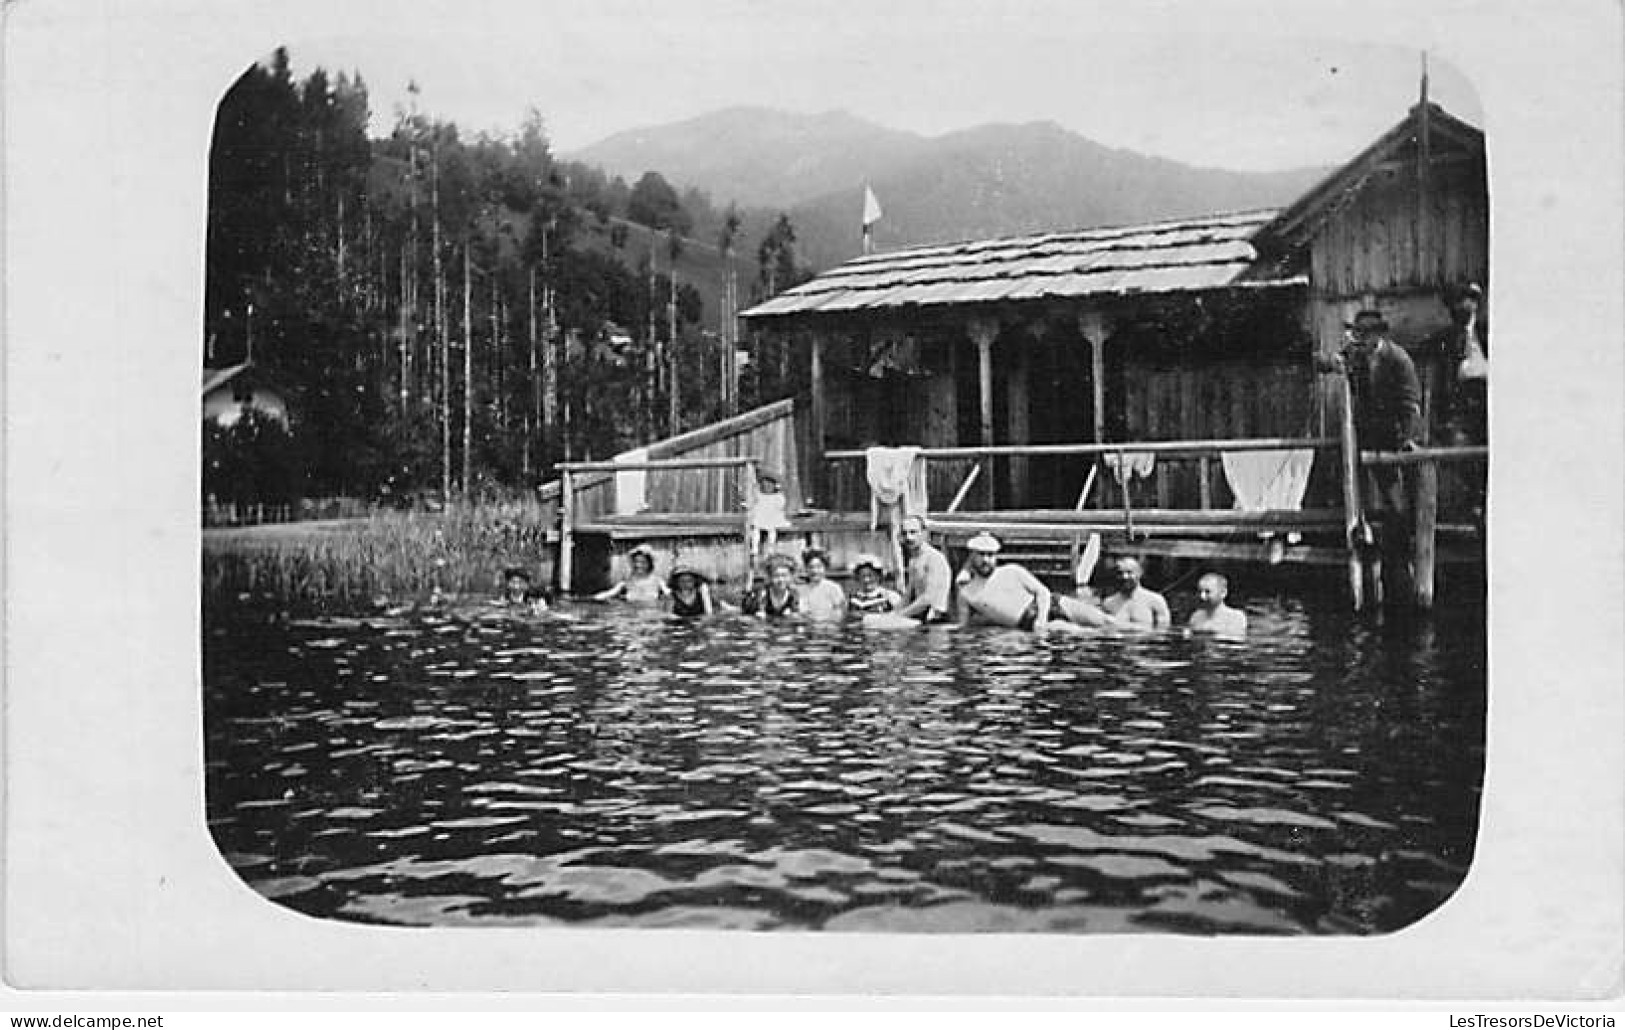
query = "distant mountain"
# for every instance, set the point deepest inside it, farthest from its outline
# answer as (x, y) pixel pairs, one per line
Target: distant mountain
(993, 180)
(1002, 180)
(757, 156)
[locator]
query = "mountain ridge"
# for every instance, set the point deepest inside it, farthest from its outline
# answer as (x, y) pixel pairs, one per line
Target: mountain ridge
(989, 180)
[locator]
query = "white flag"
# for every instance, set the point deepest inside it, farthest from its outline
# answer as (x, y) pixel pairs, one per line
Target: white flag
(871, 208)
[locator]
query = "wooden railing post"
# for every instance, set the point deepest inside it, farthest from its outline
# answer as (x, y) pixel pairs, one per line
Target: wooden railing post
(1425, 517)
(567, 504)
(1125, 477)
(749, 491)
(1204, 473)
(1353, 513)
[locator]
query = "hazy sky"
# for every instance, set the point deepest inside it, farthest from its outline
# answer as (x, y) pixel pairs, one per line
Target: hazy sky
(1233, 98)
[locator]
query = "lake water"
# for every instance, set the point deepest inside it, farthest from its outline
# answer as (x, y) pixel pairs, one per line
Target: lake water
(623, 770)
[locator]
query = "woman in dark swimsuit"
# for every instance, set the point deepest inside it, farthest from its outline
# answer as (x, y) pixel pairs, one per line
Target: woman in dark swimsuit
(690, 594)
(778, 598)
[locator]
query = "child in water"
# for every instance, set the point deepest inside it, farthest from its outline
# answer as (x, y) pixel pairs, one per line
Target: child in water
(822, 597)
(767, 515)
(518, 593)
(778, 598)
(870, 598)
(641, 587)
(690, 594)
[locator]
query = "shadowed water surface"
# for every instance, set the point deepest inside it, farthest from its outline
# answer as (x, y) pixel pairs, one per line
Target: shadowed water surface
(617, 769)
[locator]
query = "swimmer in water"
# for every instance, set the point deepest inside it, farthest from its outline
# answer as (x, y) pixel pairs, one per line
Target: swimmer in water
(869, 597)
(927, 579)
(518, 592)
(1213, 615)
(1132, 604)
(821, 598)
(641, 587)
(690, 594)
(1007, 595)
(778, 597)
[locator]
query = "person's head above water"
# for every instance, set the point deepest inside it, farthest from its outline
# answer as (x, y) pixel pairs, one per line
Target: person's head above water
(816, 562)
(983, 551)
(685, 579)
(911, 534)
(1211, 590)
(867, 570)
(1128, 574)
(642, 560)
(781, 571)
(516, 582)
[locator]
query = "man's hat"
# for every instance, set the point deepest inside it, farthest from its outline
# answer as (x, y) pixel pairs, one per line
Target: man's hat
(985, 543)
(1372, 318)
(870, 561)
(1472, 290)
(685, 570)
(516, 572)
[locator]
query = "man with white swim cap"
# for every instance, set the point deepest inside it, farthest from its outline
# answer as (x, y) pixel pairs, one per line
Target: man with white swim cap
(1009, 595)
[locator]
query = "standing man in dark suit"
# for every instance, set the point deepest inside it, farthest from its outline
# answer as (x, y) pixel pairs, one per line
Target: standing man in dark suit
(1387, 395)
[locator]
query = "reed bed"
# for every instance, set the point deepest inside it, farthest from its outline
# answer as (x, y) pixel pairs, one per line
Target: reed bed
(393, 557)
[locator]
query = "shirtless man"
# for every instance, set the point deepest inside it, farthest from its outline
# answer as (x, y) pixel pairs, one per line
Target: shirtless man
(1133, 604)
(1008, 595)
(1213, 615)
(927, 578)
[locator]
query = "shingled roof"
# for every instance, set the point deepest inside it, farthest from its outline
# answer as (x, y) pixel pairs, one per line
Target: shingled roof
(1162, 257)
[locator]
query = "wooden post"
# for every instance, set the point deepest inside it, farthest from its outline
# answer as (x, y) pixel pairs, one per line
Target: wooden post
(820, 414)
(1204, 473)
(984, 332)
(1092, 327)
(750, 472)
(1425, 516)
(567, 505)
(1128, 503)
(1018, 421)
(1353, 513)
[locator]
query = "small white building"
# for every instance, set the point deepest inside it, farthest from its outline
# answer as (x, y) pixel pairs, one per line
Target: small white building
(228, 392)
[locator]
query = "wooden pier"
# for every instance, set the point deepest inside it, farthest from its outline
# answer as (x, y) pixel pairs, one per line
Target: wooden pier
(1346, 536)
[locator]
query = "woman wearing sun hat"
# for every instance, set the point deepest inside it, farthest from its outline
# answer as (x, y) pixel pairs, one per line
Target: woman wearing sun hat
(690, 592)
(869, 597)
(641, 587)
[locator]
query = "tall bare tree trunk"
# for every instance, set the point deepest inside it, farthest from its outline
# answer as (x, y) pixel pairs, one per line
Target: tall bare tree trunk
(468, 367)
(674, 410)
(530, 383)
(445, 348)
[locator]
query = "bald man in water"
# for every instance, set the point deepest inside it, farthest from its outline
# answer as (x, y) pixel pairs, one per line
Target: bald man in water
(1212, 614)
(1131, 603)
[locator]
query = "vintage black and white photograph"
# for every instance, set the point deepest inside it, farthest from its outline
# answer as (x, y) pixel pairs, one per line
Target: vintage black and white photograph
(786, 473)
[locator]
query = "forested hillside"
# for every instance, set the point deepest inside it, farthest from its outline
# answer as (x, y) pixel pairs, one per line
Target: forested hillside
(439, 307)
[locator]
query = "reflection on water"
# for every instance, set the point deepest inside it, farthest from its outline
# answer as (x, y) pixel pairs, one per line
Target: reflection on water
(619, 770)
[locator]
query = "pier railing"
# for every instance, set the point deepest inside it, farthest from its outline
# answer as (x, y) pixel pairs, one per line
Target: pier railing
(570, 471)
(1201, 453)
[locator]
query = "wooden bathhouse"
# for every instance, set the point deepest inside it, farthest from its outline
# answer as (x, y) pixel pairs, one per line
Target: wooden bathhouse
(1133, 380)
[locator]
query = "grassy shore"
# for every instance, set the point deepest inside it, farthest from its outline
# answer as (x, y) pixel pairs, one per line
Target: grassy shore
(396, 556)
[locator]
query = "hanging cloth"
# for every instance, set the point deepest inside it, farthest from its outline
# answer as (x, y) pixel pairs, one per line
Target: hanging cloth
(1268, 480)
(1130, 464)
(896, 479)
